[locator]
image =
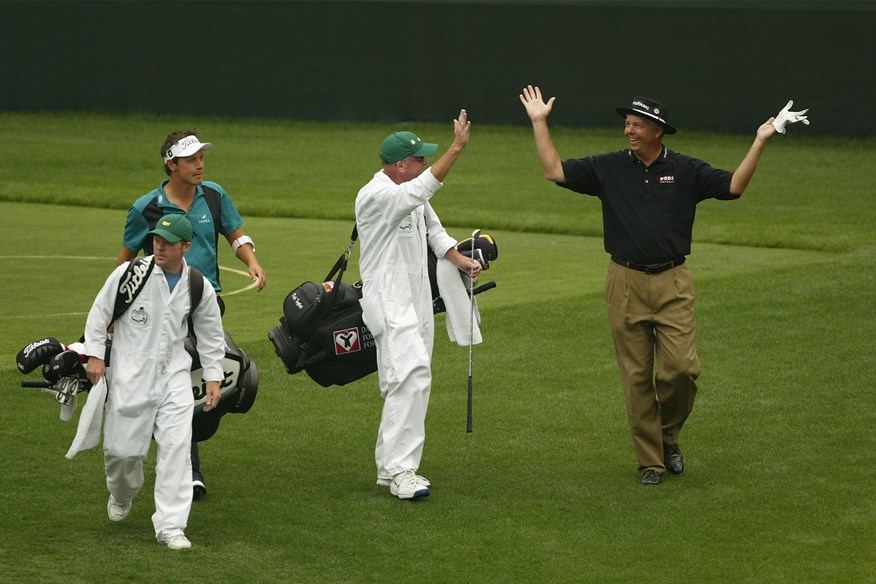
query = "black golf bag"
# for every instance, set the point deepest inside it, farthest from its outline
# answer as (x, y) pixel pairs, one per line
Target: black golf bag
(322, 332)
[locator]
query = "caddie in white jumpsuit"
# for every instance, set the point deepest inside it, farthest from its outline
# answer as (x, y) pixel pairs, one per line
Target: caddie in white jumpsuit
(150, 389)
(396, 223)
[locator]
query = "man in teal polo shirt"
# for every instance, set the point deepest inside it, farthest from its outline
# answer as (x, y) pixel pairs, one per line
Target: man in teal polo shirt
(210, 211)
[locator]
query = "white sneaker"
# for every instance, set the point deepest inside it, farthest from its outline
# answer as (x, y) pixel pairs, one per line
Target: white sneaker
(115, 511)
(177, 542)
(407, 485)
(387, 482)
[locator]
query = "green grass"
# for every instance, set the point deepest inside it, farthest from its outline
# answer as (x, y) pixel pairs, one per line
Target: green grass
(779, 448)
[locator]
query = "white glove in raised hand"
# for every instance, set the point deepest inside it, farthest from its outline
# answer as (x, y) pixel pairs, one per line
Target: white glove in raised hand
(786, 116)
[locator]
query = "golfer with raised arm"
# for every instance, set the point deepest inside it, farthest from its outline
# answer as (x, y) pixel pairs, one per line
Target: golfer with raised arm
(649, 196)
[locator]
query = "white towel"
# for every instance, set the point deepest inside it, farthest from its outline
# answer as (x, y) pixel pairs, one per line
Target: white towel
(90, 420)
(452, 284)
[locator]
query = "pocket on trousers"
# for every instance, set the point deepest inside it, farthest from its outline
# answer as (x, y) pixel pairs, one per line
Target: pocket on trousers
(373, 314)
(615, 287)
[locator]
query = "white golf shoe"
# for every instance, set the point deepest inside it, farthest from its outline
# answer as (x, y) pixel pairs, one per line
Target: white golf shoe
(115, 511)
(387, 482)
(177, 542)
(407, 485)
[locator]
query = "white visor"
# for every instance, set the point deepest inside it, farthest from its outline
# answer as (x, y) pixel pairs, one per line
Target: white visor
(186, 147)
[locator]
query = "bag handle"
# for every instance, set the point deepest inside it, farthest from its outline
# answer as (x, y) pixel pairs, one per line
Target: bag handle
(341, 264)
(340, 267)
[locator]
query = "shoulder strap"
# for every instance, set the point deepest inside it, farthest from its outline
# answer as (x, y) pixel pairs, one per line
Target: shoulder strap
(196, 288)
(214, 201)
(131, 284)
(135, 277)
(151, 213)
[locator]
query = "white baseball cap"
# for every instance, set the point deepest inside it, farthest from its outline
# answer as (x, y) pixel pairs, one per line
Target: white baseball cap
(186, 147)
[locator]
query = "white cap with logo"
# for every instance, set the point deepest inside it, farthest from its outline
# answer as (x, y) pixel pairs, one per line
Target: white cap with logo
(186, 147)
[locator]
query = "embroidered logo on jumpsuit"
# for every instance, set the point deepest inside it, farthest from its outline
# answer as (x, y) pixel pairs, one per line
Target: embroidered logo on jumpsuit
(406, 225)
(140, 316)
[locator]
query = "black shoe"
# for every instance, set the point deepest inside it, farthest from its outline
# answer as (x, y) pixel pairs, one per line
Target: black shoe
(198, 489)
(672, 459)
(651, 477)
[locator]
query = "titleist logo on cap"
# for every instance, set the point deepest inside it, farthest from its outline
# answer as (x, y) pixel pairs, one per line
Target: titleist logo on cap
(188, 141)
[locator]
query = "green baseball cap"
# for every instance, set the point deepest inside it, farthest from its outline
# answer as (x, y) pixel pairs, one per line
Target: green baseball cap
(173, 228)
(399, 145)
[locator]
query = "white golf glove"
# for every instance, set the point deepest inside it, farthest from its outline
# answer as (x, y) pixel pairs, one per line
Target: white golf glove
(786, 116)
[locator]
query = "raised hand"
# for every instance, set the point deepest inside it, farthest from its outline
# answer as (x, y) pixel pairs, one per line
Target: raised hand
(536, 108)
(786, 116)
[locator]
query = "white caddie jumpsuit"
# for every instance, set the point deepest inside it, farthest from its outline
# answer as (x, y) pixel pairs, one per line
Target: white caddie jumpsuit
(150, 388)
(395, 224)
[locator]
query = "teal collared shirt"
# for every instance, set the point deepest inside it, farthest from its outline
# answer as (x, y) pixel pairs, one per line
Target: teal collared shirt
(203, 254)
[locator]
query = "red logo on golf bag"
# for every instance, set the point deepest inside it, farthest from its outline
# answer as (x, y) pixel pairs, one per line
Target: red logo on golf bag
(346, 341)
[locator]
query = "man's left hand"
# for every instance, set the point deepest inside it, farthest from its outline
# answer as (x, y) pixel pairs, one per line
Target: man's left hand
(213, 395)
(258, 276)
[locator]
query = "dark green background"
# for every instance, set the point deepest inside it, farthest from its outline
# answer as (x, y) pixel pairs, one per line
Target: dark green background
(722, 66)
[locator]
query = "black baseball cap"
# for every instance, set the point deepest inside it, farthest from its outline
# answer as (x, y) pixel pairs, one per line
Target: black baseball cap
(642, 106)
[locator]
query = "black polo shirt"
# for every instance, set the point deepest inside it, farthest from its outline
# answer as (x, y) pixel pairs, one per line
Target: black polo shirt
(647, 212)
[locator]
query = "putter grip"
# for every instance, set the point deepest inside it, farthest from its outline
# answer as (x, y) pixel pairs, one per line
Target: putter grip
(484, 288)
(40, 384)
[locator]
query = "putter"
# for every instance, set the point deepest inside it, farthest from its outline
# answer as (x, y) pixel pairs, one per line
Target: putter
(475, 234)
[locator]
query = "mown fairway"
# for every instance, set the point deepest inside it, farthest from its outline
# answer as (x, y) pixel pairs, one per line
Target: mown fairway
(779, 486)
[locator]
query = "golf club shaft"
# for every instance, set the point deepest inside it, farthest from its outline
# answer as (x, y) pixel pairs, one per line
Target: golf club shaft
(474, 236)
(468, 424)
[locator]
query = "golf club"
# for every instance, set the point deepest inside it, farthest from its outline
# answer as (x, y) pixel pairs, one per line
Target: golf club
(474, 236)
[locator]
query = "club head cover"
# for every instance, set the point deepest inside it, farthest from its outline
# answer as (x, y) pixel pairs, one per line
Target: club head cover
(37, 353)
(64, 364)
(484, 242)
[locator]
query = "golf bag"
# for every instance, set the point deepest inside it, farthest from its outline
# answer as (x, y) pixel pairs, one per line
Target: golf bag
(238, 388)
(322, 332)
(64, 377)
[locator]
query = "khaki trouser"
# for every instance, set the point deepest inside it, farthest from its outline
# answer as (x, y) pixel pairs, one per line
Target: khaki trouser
(654, 329)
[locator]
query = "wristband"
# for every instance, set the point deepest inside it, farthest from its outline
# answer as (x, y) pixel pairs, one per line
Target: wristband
(242, 240)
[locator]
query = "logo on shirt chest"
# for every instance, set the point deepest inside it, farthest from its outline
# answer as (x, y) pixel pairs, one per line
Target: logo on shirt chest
(667, 180)
(406, 225)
